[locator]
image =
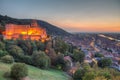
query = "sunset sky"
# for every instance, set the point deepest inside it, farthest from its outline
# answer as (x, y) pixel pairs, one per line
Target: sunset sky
(71, 15)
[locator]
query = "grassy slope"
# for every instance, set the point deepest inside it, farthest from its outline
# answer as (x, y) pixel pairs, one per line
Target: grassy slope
(36, 74)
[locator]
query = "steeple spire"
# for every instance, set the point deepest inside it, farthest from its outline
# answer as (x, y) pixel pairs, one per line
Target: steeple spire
(34, 23)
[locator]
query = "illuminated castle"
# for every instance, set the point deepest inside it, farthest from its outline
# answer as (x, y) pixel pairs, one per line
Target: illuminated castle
(33, 31)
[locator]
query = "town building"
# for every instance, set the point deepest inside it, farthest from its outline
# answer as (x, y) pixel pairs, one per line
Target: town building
(32, 31)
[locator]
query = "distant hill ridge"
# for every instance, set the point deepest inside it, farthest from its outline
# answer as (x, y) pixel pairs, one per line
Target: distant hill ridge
(51, 29)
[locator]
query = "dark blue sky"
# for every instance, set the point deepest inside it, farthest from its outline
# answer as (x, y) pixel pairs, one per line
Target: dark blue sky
(71, 15)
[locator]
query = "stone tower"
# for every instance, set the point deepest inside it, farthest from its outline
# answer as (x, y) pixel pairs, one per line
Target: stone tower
(34, 23)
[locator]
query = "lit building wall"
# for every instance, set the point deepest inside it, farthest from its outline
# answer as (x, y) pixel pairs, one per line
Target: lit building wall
(33, 31)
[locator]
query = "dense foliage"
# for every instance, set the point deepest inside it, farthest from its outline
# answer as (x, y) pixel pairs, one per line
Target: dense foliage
(61, 46)
(99, 55)
(40, 59)
(19, 70)
(105, 62)
(60, 62)
(79, 74)
(15, 50)
(36, 53)
(78, 55)
(2, 46)
(85, 72)
(3, 53)
(7, 59)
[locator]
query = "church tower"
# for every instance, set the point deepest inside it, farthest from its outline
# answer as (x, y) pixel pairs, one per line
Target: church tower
(34, 23)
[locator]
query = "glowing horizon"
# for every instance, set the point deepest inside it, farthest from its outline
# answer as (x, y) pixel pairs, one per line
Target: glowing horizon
(70, 15)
